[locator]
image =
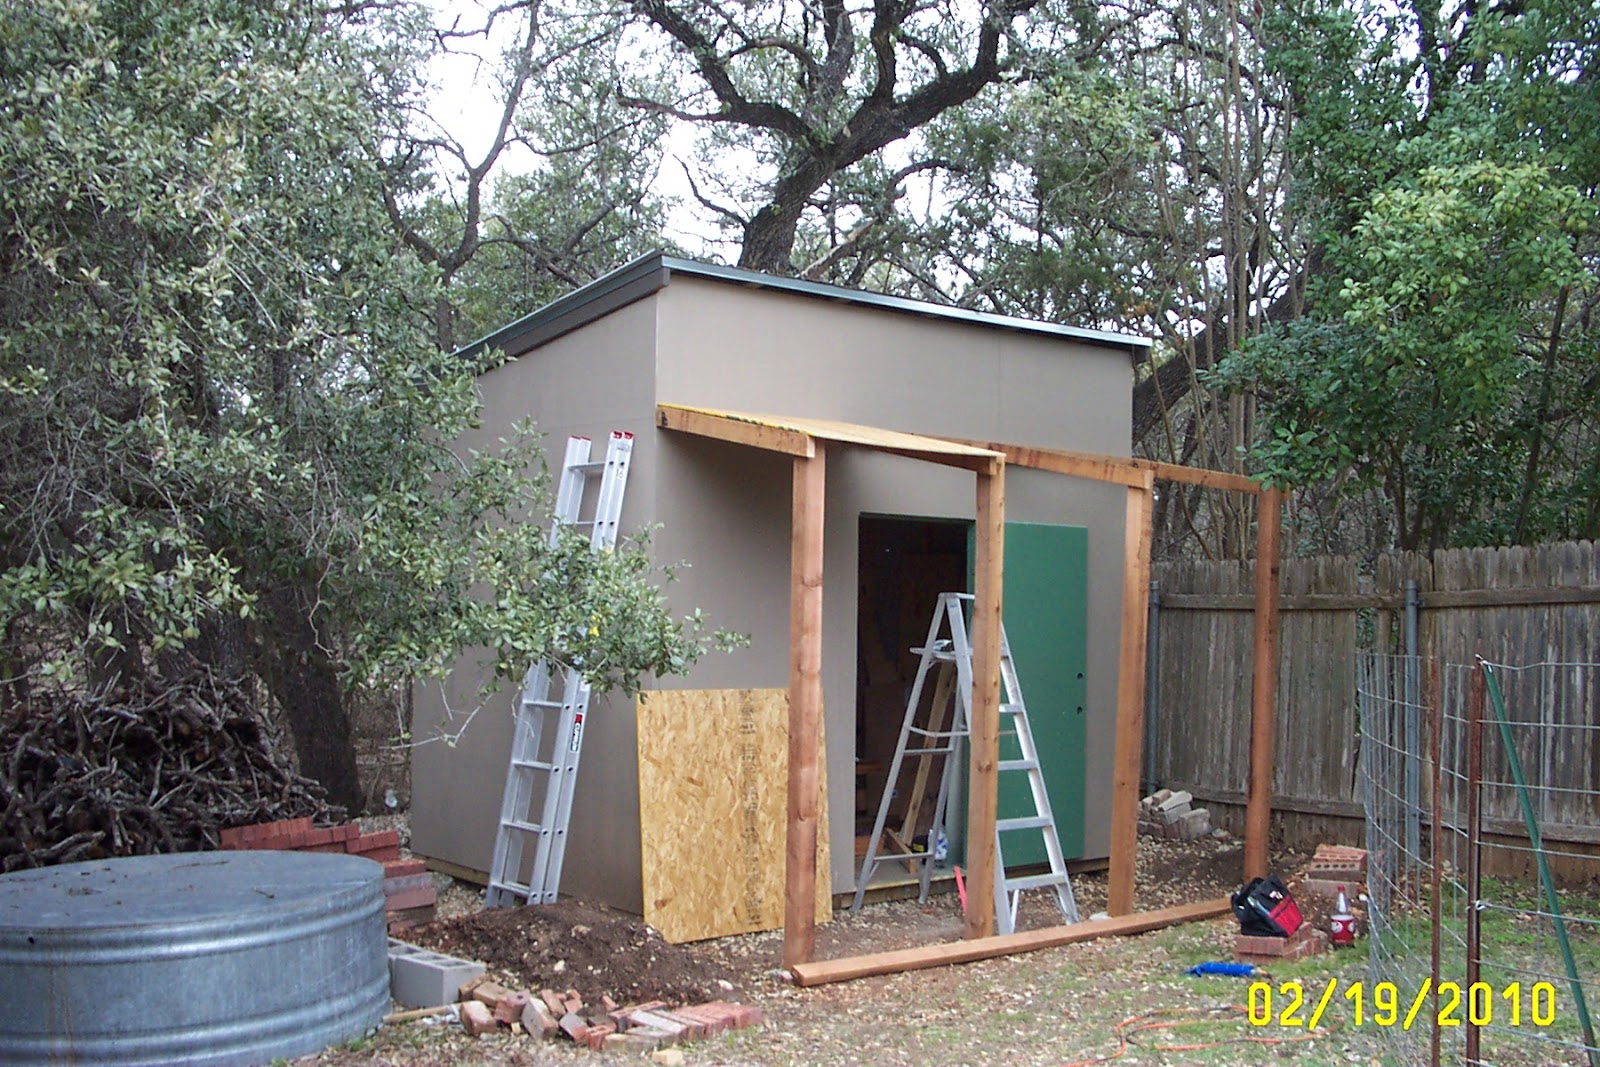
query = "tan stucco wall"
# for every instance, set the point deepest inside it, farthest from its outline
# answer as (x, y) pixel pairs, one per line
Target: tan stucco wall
(761, 351)
(588, 383)
(724, 510)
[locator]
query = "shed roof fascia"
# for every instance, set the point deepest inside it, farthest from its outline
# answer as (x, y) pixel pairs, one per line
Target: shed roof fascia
(797, 436)
(654, 271)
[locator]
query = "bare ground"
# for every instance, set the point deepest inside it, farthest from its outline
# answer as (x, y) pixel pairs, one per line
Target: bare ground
(1055, 1007)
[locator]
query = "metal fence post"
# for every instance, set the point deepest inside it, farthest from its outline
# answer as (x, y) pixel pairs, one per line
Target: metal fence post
(1413, 726)
(1152, 686)
(1435, 702)
(1474, 848)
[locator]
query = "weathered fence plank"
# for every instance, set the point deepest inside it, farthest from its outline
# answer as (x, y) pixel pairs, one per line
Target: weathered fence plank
(1517, 606)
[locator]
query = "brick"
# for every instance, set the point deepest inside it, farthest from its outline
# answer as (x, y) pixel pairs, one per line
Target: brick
(667, 1057)
(510, 1008)
(596, 1037)
(715, 1021)
(346, 832)
(401, 868)
(694, 1029)
(575, 1026)
(411, 898)
(406, 882)
(470, 986)
(319, 836)
(607, 1004)
(1196, 822)
(371, 842)
(335, 847)
(1169, 815)
(537, 1020)
(1178, 802)
(640, 1041)
(382, 855)
(655, 1020)
(476, 1019)
(490, 993)
(552, 1000)
(398, 921)
(573, 1002)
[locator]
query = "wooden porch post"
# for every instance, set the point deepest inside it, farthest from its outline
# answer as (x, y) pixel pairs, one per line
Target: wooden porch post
(1129, 746)
(805, 708)
(1264, 686)
(982, 795)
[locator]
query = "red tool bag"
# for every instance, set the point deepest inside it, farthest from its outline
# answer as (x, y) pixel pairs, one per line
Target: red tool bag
(1265, 907)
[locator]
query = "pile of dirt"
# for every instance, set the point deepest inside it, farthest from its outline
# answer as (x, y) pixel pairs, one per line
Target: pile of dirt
(577, 945)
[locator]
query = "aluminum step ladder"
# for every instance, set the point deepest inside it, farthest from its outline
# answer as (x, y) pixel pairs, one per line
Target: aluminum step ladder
(547, 736)
(948, 647)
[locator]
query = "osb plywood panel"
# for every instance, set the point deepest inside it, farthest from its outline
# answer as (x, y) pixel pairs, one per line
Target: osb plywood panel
(713, 781)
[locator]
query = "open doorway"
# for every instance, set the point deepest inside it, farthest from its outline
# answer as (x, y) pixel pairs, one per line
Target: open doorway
(905, 563)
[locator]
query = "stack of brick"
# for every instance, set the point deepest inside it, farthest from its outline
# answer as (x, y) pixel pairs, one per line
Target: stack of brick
(408, 888)
(1173, 816)
(1262, 950)
(1333, 867)
(487, 1007)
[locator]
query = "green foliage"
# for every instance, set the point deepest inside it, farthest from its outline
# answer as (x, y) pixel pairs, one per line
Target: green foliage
(218, 381)
(1447, 364)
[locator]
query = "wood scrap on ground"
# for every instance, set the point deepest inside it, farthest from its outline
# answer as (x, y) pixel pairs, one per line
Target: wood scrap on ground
(983, 948)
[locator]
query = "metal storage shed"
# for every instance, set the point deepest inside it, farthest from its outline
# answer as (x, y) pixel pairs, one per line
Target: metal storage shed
(666, 331)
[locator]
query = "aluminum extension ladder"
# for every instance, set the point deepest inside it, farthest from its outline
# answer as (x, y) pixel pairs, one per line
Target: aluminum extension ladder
(931, 739)
(547, 736)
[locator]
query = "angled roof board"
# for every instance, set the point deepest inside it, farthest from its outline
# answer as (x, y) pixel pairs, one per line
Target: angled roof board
(650, 273)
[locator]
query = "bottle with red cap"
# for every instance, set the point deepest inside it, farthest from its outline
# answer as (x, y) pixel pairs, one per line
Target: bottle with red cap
(1342, 924)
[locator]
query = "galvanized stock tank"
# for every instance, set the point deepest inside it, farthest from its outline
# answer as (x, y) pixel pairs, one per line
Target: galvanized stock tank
(218, 958)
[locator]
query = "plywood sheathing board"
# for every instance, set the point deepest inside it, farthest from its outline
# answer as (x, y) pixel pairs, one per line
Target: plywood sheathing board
(970, 951)
(712, 768)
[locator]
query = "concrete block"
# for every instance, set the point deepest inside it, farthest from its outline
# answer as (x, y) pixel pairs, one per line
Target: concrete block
(420, 978)
(1196, 822)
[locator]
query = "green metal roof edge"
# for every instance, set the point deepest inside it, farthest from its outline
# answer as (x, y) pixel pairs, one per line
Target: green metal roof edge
(635, 280)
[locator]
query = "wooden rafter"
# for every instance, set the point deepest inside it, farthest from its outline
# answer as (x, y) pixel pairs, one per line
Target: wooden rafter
(1121, 470)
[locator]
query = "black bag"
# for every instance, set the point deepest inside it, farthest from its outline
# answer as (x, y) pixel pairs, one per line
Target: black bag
(1265, 908)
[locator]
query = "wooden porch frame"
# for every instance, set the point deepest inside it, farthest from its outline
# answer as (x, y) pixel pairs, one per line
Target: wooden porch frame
(806, 440)
(1138, 475)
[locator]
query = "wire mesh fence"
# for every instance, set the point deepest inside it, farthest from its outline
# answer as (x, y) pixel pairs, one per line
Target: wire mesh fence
(1482, 794)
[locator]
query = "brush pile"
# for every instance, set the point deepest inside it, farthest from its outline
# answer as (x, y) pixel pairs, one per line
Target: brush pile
(159, 765)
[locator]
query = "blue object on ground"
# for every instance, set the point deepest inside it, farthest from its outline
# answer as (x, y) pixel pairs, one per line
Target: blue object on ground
(1227, 970)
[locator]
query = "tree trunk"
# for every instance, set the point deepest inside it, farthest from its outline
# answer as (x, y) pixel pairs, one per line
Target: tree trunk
(305, 681)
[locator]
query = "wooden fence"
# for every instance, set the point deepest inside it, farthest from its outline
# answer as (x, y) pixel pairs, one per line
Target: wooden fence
(1517, 606)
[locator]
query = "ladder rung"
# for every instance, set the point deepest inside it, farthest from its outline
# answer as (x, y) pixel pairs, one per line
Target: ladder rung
(1011, 709)
(1027, 822)
(929, 751)
(532, 765)
(592, 467)
(509, 887)
(937, 733)
(525, 827)
(1035, 881)
(541, 703)
(1017, 765)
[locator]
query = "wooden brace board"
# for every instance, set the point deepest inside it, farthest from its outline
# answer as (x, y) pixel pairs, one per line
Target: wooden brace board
(713, 773)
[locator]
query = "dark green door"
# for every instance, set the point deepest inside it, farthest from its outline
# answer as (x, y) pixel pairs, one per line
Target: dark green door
(1046, 599)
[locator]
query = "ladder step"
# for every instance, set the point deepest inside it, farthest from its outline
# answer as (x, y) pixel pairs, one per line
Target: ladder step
(509, 887)
(937, 733)
(525, 827)
(532, 765)
(541, 703)
(1035, 881)
(929, 751)
(1017, 765)
(588, 468)
(1011, 709)
(1029, 822)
